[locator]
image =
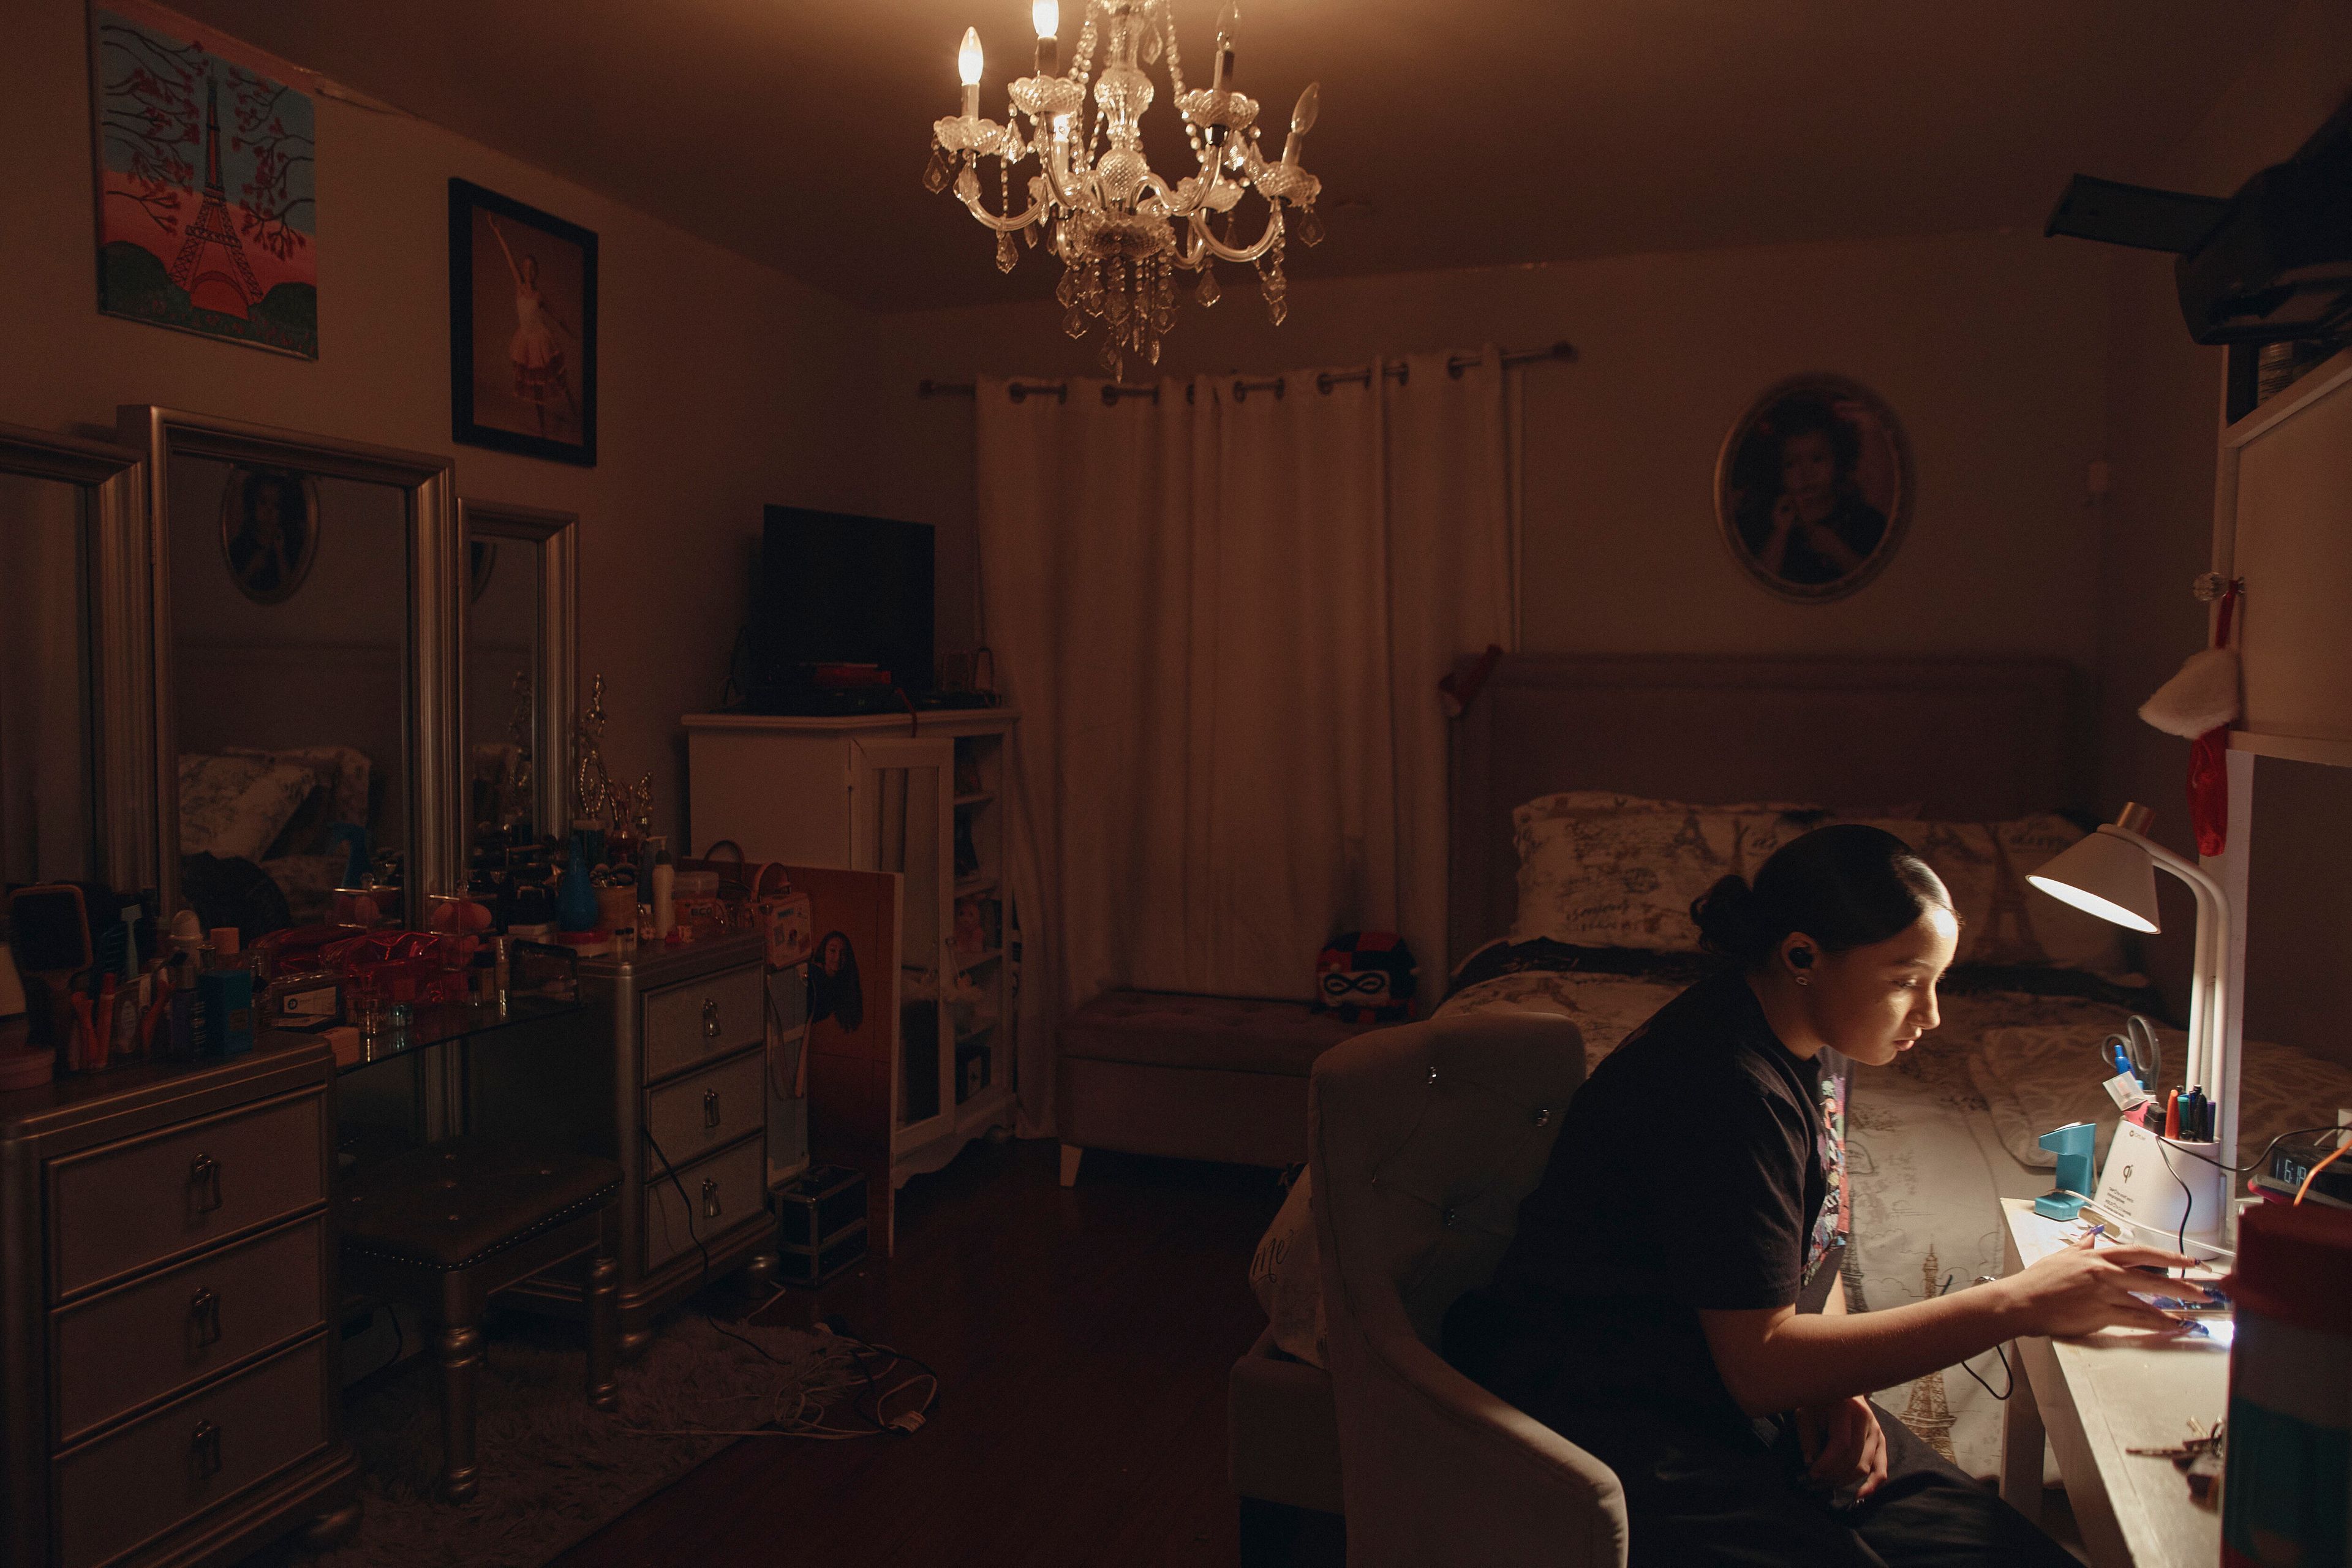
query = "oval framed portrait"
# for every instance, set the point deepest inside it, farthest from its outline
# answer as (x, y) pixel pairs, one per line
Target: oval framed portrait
(269, 530)
(1812, 488)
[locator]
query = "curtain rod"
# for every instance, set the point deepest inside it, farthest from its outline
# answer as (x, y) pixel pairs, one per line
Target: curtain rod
(1324, 382)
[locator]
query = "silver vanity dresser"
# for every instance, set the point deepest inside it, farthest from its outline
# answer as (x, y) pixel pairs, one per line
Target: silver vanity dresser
(688, 1048)
(169, 1378)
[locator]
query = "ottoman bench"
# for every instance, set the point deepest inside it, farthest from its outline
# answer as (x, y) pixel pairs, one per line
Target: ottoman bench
(1200, 1077)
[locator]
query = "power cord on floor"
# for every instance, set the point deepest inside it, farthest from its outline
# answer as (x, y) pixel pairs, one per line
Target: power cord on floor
(816, 1395)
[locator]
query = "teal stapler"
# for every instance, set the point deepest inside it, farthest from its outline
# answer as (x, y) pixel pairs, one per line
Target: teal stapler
(2072, 1143)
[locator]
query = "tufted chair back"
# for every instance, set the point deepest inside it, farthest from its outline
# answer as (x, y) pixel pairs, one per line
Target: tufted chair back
(1422, 1139)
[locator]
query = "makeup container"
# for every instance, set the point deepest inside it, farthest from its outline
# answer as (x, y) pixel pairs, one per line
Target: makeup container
(665, 883)
(534, 914)
(576, 900)
(616, 909)
(223, 1013)
(308, 1002)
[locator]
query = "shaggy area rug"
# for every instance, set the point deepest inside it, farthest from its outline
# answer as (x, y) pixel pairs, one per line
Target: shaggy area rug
(553, 1469)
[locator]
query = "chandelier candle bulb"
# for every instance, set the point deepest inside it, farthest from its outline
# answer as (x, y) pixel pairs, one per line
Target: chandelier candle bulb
(968, 64)
(1302, 121)
(1046, 15)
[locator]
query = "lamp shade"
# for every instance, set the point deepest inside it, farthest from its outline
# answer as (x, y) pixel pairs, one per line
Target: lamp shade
(2106, 874)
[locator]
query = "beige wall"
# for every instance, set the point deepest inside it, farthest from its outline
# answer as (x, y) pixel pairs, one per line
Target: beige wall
(2164, 404)
(1989, 348)
(724, 384)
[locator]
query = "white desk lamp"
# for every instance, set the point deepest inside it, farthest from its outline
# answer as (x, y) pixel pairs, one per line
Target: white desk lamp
(2112, 874)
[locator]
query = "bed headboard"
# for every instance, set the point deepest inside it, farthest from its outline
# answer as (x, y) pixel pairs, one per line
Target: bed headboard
(1970, 739)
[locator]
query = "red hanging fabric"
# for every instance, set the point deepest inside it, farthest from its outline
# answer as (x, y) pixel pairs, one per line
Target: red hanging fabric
(2208, 760)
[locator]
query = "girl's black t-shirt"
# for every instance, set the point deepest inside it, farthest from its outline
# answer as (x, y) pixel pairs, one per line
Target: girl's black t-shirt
(1692, 1171)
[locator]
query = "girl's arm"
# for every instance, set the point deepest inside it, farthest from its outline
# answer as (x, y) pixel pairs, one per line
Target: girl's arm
(1773, 1359)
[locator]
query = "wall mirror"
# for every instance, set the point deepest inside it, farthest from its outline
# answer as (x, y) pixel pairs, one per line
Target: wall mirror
(310, 629)
(521, 564)
(76, 713)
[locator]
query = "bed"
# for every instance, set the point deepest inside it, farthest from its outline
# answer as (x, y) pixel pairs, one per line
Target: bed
(1592, 798)
(280, 816)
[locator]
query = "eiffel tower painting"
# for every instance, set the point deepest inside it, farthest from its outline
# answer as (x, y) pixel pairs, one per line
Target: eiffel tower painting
(207, 216)
(1927, 1413)
(212, 266)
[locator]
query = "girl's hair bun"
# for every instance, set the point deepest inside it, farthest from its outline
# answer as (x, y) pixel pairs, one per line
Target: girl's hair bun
(1731, 923)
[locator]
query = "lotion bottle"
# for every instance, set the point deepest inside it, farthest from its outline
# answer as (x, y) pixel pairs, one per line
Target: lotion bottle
(664, 880)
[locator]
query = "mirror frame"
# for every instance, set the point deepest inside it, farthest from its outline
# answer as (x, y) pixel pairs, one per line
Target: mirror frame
(557, 535)
(433, 724)
(122, 630)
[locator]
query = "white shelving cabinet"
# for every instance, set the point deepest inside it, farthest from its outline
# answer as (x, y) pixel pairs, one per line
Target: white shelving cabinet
(865, 794)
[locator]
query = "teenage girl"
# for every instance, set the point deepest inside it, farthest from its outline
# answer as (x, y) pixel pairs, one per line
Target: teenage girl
(1648, 1308)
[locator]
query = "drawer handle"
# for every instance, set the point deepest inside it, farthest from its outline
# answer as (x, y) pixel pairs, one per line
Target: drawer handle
(710, 1108)
(205, 1451)
(709, 1198)
(203, 1181)
(710, 1017)
(203, 1317)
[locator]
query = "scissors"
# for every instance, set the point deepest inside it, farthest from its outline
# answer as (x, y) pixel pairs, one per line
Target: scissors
(2135, 1051)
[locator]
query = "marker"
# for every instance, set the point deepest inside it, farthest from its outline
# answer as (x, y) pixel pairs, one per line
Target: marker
(2172, 1113)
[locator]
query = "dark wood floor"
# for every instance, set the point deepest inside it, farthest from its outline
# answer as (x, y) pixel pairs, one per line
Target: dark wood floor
(1081, 1338)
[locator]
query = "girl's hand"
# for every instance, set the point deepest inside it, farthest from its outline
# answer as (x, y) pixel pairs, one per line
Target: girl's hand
(2077, 1290)
(1846, 1444)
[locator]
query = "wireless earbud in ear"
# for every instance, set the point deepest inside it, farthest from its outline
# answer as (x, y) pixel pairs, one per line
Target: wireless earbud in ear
(1800, 957)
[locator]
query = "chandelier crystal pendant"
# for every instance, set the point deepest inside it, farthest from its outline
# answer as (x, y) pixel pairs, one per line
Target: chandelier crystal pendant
(1122, 231)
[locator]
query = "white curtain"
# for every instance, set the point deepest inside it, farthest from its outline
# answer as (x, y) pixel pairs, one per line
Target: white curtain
(1224, 617)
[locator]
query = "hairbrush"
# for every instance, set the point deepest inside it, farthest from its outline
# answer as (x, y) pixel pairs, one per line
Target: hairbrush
(49, 931)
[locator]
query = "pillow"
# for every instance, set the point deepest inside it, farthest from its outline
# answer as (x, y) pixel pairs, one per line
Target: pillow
(1578, 802)
(1585, 802)
(2004, 919)
(1621, 878)
(341, 771)
(234, 807)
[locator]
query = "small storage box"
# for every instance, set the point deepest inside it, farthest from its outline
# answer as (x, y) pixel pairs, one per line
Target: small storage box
(821, 1227)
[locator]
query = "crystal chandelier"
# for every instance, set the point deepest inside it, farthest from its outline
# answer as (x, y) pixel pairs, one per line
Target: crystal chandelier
(1120, 231)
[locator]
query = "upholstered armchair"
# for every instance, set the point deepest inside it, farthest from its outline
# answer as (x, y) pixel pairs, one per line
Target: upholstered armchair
(1422, 1139)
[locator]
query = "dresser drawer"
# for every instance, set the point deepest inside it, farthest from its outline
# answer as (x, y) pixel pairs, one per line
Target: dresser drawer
(133, 1485)
(128, 1205)
(725, 1190)
(690, 1023)
(690, 1117)
(143, 1341)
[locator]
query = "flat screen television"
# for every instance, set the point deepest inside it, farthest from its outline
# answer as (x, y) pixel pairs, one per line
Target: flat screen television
(838, 589)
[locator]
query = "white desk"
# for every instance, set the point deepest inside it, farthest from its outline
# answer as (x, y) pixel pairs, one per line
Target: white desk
(2095, 1397)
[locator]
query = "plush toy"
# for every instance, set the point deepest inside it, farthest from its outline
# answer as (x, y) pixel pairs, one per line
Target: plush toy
(1366, 977)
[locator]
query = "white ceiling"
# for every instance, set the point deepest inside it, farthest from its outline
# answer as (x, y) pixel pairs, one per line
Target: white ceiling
(794, 131)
